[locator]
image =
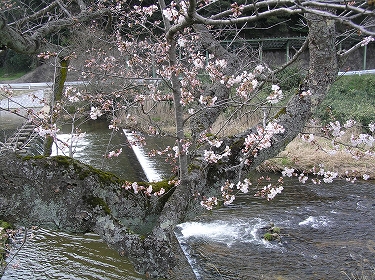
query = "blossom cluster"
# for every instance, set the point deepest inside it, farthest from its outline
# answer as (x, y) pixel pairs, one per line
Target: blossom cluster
(276, 96)
(362, 139)
(184, 144)
(50, 131)
(173, 14)
(7, 90)
(260, 140)
(114, 153)
(246, 81)
(320, 175)
(141, 189)
(211, 157)
(95, 113)
(73, 94)
(47, 55)
(209, 202)
(367, 40)
(270, 191)
(228, 194)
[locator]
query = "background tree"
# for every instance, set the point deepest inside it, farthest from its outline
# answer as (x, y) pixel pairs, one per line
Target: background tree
(203, 79)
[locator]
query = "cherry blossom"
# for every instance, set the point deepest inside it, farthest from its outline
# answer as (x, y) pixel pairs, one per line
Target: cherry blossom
(367, 40)
(371, 127)
(365, 176)
(95, 113)
(276, 96)
(209, 203)
(51, 130)
(287, 172)
(260, 140)
(114, 153)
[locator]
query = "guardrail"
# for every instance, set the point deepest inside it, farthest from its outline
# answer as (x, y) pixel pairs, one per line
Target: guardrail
(39, 85)
(141, 80)
(360, 72)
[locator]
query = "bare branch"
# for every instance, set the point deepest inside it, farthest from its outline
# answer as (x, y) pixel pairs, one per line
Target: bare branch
(36, 15)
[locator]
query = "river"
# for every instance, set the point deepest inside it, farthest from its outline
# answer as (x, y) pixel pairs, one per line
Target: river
(327, 232)
(50, 254)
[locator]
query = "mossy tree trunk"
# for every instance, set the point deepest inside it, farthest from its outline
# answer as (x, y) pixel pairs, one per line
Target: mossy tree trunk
(58, 89)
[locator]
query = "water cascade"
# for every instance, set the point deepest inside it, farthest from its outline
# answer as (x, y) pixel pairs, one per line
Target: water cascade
(147, 165)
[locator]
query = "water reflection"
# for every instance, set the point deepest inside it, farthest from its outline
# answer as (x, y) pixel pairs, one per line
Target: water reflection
(98, 141)
(56, 255)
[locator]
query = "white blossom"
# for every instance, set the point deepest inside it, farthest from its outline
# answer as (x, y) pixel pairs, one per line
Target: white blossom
(95, 113)
(366, 176)
(367, 40)
(335, 128)
(329, 176)
(276, 96)
(307, 137)
(302, 178)
(287, 172)
(371, 127)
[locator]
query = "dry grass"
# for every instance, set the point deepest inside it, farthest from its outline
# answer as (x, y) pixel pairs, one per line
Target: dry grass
(304, 156)
(160, 115)
(227, 126)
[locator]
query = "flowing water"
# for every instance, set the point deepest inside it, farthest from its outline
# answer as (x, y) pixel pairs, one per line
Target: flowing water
(56, 255)
(327, 232)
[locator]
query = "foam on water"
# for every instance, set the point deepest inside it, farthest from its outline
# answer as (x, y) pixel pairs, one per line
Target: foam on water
(78, 146)
(227, 232)
(315, 222)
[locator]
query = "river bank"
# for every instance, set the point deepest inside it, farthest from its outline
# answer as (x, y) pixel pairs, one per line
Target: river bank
(304, 156)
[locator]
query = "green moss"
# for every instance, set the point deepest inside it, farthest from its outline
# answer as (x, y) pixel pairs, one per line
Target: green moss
(97, 201)
(156, 186)
(32, 157)
(192, 167)
(282, 111)
(276, 230)
(5, 225)
(268, 236)
(286, 161)
(82, 170)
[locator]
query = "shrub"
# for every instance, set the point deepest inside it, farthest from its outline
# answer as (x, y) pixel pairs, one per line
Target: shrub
(350, 97)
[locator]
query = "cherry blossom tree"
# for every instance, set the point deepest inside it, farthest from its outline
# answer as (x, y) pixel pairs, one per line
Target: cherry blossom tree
(172, 52)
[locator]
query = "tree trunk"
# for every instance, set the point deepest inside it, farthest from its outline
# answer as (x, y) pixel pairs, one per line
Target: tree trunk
(58, 88)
